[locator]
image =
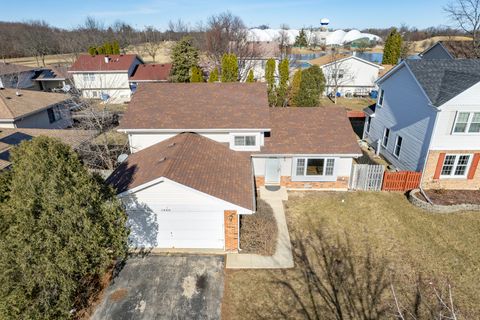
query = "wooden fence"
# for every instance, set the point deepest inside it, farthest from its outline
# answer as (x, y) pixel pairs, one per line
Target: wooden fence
(401, 181)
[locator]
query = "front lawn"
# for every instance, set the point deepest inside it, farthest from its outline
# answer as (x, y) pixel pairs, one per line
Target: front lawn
(354, 104)
(439, 249)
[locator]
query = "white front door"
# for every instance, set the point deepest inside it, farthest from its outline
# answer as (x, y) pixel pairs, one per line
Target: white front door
(190, 230)
(272, 171)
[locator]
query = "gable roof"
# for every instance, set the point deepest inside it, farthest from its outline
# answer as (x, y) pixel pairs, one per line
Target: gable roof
(10, 68)
(55, 73)
(194, 161)
(10, 138)
(151, 72)
(330, 59)
(29, 101)
(116, 62)
(319, 130)
(456, 49)
(186, 106)
(442, 80)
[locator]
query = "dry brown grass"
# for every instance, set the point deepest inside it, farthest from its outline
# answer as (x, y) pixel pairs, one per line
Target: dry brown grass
(443, 247)
(357, 104)
(420, 46)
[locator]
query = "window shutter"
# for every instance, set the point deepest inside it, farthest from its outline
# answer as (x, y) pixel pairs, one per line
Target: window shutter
(438, 170)
(473, 167)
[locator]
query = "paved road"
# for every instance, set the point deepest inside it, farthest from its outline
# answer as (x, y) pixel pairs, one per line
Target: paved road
(165, 287)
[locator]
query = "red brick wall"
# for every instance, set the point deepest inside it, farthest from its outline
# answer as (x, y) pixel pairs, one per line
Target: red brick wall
(231, 230)
(341, 183)
(429, 181)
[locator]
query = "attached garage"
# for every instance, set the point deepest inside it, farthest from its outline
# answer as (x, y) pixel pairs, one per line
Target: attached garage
(189, 201)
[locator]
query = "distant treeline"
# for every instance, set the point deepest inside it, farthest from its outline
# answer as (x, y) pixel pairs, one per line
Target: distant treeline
(38, 38)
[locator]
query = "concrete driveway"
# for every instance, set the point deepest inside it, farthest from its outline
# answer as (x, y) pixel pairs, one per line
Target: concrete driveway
(165, 287)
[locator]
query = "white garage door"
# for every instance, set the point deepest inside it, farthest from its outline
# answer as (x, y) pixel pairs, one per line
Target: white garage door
(190, 230)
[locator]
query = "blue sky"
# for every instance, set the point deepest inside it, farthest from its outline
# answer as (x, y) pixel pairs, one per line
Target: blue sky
(299, 13)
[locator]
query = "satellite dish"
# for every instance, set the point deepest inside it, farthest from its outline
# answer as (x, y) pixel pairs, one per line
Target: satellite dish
(104, 96)
(66, 88)
(121, 158)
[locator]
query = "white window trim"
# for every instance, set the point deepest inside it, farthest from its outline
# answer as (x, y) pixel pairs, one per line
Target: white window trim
(395, 147)
(385, 145)
(381, 96)
(454, 168)
(368, 123)
(255, 147)
(305, 178)
(467, 128)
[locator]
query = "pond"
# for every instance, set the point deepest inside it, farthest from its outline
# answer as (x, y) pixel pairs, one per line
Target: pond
(375, 57)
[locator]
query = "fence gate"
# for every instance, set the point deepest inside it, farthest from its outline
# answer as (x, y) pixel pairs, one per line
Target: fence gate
(367, 177)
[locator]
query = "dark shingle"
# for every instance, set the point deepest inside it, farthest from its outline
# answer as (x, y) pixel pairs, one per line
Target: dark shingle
(443, 80)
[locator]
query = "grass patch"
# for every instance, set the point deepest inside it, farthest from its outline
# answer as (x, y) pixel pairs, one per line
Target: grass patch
(439, 247)
(355, 104)
(258, 232)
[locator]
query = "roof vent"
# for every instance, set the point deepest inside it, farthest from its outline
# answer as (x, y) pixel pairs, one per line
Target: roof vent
(18, 94)
(162, 159)
(8, 98)
(107, 59)
(171, 145)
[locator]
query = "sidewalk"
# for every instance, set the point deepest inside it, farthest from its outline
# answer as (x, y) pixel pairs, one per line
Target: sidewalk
(282, 259)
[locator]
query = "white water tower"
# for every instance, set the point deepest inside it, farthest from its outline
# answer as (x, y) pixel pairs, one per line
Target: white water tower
(324, 23)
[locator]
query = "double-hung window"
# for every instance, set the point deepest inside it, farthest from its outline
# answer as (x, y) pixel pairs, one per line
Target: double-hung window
(456, 165)
(467, 122)
(398, 146)
(245, 141)
(314, 167)
(381, 97)
(386, 135)
(88, 77)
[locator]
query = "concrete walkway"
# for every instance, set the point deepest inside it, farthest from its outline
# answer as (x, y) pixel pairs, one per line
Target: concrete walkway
(282, 258)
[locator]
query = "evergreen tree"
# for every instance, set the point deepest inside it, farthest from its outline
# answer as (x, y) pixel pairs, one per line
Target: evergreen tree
(295, 88)
(196, 74)
(229, 68)
(393, 48)
(250, 77)
(270, 78)
(213, 77)
(101, 50)
(92, 51)
(312, 86)
(282, 88)
(301, 39)
(115, 47)
(60, 229)
(184, 57)
(108, 48)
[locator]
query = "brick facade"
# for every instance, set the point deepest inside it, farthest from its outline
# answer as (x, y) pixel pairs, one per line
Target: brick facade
(454, 183)
(285, 181)
(231, 230)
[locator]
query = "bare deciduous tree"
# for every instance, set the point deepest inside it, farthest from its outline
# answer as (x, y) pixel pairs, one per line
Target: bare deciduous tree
(337, 73)
(466, 14)
(153, 41)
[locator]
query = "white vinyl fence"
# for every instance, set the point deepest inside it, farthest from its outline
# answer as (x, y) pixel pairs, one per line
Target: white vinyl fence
(367, 177)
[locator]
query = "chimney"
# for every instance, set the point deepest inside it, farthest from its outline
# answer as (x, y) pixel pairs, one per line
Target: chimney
(107, 59)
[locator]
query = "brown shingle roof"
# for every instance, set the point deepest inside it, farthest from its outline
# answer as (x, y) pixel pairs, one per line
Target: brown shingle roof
(460, 49)
(10, 68)
(117, 62)
(198, 106)
(194, 161)
(323, 60)
(151, 72)
(12, 137)
(29, 101)
(321, 130)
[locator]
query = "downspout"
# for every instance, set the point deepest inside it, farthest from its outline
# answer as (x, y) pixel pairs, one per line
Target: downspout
(437, 111)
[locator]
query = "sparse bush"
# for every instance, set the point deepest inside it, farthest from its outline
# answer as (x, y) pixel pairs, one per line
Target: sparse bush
(258, 232)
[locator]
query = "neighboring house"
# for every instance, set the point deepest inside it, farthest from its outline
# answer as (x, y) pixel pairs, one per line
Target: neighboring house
(10, 138)
(149, 73)
(427, 118)
(53, 79)
(105, 77)
(348, 75)
(260, 53)
(17, 76)
(198, 150)
(450, 50)
(34, 109)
